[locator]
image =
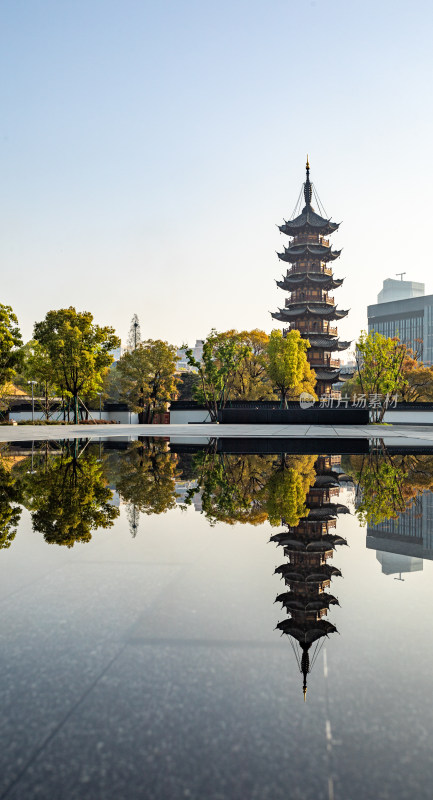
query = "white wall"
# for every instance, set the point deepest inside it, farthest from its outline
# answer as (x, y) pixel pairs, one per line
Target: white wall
(112, 416)
(409, 417)
(178, 417)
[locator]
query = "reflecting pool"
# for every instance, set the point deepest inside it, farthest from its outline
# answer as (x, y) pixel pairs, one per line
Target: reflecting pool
(221, 620)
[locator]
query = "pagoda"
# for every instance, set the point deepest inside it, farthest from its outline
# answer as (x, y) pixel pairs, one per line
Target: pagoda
(309, 546)
(309, 308)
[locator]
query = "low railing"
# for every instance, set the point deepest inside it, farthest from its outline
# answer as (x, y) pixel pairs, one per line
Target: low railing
(297, 270)
(310, 238)
(320, 361)
(306, 297)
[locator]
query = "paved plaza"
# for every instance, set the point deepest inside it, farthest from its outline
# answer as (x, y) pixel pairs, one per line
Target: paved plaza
(404, 435)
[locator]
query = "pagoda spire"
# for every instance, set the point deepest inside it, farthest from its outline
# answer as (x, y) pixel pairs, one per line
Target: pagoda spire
(308, 190)
(305, 668)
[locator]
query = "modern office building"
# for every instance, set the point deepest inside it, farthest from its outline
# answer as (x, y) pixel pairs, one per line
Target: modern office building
(399, 290)
(403, 310)
(197, 351)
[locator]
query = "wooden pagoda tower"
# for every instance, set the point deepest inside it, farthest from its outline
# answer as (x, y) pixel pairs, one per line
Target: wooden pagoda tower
(309, 546)
(309, 308)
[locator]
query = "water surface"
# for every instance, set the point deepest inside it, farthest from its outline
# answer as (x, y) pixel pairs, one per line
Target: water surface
(143, 654)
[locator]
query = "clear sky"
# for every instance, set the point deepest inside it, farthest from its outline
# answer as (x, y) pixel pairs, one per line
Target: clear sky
(150, 148)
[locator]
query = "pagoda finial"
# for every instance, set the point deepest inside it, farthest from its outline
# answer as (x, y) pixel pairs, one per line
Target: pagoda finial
(307, 185)
(305, 668)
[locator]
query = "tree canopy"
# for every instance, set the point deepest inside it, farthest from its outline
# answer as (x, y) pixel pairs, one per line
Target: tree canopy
(250, 379)
(380, 367)
(78, 351)
(147, 378)
(288, 367)
(10, 344)
(222, 355)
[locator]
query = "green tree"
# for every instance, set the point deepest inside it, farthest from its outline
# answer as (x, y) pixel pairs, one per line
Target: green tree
(147, 377)
(188, 382)
(68, 496)
(10, 352)
(37, 366)
(250, 379)
(78, 350)
(380, 367)
(288, 367)
(222, 354)
(418, 379)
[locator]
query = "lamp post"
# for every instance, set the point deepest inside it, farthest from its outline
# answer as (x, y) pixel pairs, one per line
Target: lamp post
(33, 399)
(100, 406)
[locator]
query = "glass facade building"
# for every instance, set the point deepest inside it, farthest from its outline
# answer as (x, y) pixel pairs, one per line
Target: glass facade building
(410, 319)
(410, 534)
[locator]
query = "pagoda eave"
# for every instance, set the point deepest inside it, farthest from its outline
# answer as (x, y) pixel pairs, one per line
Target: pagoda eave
(326, 374)
(309, 221)
(295, 253)
(311, 310)
(308, 632)
(307, 573)
(321, 342)
(304, 279)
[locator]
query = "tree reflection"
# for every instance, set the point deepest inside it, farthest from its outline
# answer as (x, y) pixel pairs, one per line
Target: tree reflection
(68, 496)
(10, 499)
(231, 486)
(285, 492)
(249, 488)
(387, 484)
(145, 477)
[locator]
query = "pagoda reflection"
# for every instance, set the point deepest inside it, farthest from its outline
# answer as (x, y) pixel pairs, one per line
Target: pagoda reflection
(308, 546)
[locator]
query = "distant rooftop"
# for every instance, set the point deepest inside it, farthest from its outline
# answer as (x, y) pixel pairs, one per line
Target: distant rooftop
(394, 289)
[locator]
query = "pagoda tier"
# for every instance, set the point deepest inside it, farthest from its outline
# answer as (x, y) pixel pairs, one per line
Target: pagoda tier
(314, 545)
(327, 342)
(306, 631)
(319, 280)
(293, 253)
(308, 546)
(307, 573)
(294, 312)
(309, 309)
(308, 222)
(291, 601)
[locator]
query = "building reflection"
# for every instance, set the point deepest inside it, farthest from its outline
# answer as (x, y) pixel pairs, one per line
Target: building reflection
(307, 573)
(402, 542)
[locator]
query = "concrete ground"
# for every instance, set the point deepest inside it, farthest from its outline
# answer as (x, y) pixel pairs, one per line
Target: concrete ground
(404, 435)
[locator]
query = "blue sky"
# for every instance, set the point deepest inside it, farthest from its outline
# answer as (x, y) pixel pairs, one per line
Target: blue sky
(150, 149)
